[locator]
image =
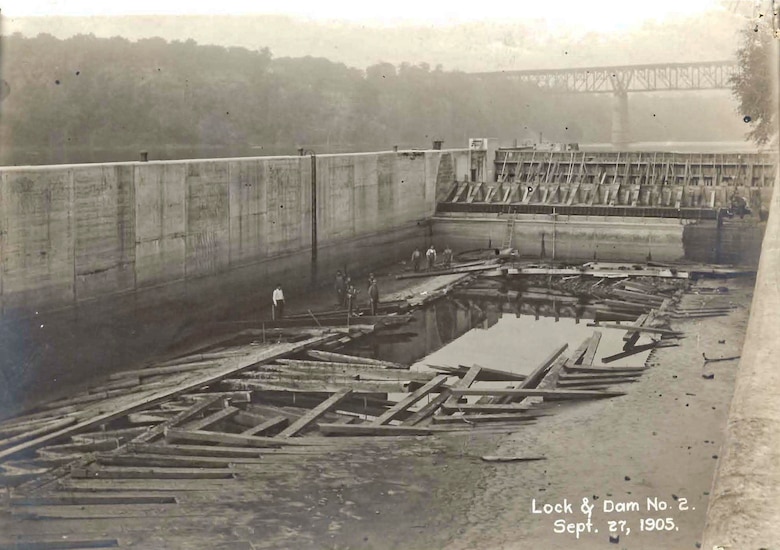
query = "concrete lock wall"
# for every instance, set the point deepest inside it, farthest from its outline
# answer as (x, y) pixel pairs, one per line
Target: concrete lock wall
(743, 509)
(568, 237)
(106, 264)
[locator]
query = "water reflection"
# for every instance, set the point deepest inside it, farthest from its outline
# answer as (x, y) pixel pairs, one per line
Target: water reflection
(501, 333)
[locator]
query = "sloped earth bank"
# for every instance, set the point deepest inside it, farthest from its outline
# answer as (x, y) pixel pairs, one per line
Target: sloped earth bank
(658, 443)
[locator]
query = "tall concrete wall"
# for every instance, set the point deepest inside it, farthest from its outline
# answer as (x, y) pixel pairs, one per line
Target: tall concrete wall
(75, 233)
(568, 238)
(103, 265)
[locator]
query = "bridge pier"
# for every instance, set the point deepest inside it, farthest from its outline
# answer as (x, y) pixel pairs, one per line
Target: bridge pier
(620, 122)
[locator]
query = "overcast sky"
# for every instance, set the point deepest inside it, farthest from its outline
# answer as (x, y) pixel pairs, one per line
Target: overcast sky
(588, 15)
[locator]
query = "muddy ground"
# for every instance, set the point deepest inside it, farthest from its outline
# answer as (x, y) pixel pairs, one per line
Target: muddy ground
(660, 441)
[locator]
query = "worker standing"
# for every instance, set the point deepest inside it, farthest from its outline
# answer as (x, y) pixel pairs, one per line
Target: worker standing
(373, 296)
(352, 293)
(341, 289)
(416, 256)
(278, 298)
(447, 254)
(431, 255)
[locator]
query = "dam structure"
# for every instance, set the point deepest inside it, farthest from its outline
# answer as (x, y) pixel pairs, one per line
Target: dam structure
(102, 263)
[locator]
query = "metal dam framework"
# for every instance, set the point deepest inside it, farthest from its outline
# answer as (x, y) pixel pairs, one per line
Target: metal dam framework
(665, 185)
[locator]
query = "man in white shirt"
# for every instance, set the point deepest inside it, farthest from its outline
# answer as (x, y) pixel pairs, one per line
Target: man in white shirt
(278, 298)
(431, 256)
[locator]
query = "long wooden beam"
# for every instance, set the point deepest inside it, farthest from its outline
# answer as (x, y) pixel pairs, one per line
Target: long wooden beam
(559, 394)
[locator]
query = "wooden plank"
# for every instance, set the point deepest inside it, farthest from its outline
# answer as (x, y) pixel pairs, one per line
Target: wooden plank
(628, 353)
(601, 381)
(631, 334)
(651, 330)
(315, 413)
(234, 440)
(275, 423)
(230, 368)
(410, 400)
(156, 371)
(373, 430)
(70, 448)
(485, 374)
(492, 458)
(87, 499)
(594, 376)
(464, 382)
(483, 418)
(211, 419)
(180, 418)
(558, 394)
(170, 461)
(574, 358)
(537, 374)
(593, 345)
(428, 409)
(487, 407)
(343, 358)
(42, 431)
(196, 450)
(350, 369)
(60, 544)
(125, 472)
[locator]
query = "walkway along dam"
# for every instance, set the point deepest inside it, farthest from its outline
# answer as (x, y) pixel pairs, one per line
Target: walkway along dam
(103, 266)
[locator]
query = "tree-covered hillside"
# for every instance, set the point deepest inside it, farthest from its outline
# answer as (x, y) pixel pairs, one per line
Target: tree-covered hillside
(88, 99)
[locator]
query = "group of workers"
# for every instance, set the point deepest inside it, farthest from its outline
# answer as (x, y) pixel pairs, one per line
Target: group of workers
(430, 256)
(347, 293)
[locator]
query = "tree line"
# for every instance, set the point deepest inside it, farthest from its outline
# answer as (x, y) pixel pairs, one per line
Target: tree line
(85, 98)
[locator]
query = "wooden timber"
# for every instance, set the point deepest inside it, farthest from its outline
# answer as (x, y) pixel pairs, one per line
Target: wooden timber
(428, 409)
(212, 419)
(127, 472)
(196, 450)
(483, 418)
(234, 440)
(652, 330)
(410, 400)
(593, 345)
(352, 359)
(463, 383)
(373, 429)
(85, 499)
(300, 424)
(558, 394)
(628, 353)
(485, 374)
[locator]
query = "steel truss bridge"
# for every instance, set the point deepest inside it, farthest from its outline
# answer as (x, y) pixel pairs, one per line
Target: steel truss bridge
(708, 75)
(620, 80)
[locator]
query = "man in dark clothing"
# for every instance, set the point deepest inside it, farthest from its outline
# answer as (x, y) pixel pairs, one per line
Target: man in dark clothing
(373, 295)
(341, 289)
(447, 255)
(416, 257)
(352, 292)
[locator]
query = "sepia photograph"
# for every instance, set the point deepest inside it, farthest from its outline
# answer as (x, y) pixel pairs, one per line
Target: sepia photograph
(390, 276)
